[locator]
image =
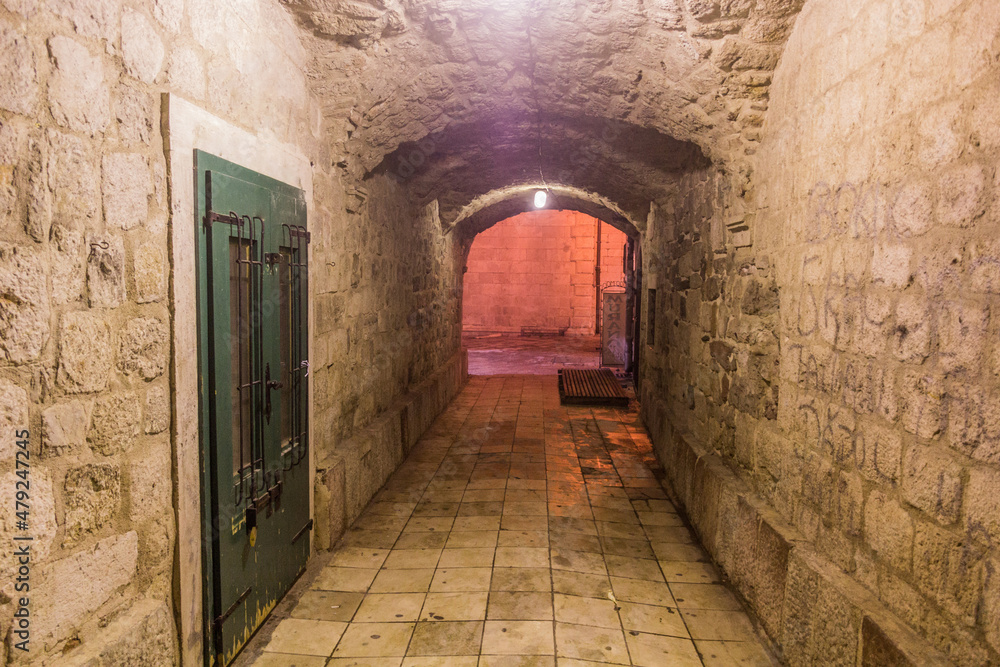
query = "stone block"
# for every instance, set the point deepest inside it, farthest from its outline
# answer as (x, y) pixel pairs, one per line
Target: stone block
(149, 271)
(146, 643)
(91, 495)
(64, 428)
(142, 48)
(149, 486)
(19, 92)
(76, 586)
(157, 410)
(951, 569)
(889, 530)
(134, 114)
(67, 260)
(186, 72)
(78, 96)
(961, 195)
(891, 265)
(126, 189)
(818, 623)
(39, 218)
(882, 450)
(962, 335)
(86, 356)
(74, 179)
(912, 210)
(169, 14)
(92, 18)
(144, 347)
(911, 338)
(42, 524)
(922, 396)
(106, 272)
(115, 423)
(772, 551)
(24, 306)
(982, 505)
(738, 54)
(932, 482)
(13, 417)
(974, 423)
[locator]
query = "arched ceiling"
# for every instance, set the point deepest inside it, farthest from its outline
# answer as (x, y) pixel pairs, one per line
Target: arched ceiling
(458, 98)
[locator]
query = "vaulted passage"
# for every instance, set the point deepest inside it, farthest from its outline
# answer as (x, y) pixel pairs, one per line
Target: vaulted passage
(250, 251)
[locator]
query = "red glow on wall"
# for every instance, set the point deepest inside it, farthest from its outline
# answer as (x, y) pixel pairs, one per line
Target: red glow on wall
(536, 272)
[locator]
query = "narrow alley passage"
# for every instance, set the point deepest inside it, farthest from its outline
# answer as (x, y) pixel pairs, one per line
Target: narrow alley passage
(518, 532)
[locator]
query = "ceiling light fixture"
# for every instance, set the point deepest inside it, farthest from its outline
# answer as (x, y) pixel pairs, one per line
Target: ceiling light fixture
(541, 198)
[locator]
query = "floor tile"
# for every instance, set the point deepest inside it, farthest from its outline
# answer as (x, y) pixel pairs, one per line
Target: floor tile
(453, 580)
(522, 557)
(454, 607)
(591, 643)
(633, 568)
(730, 654)
(523, 538)
(446, 638)
(289, 660)
(586, 611)
(577, 583)
(327, 605)
(672, 551)
(578, 561)
(644, 592)
(689, 573)
(517, 661)
(358, 557)
(520, 606)
(453, 558)
(521, 579)
(442, 661)
(402, 581)
(724, 625)
(347, 579)
(390, 607)
(518, 637)
(412, 559)
(652, 619)
(463, 523)
(373, 640)
(305, 637)
(422, 540)
(459, 539)
(656, 651)
(704, 596)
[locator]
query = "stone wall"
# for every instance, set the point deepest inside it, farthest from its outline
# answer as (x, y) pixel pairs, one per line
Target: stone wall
(536, 271)
(387, 292)
(823, 382)
(85, 310)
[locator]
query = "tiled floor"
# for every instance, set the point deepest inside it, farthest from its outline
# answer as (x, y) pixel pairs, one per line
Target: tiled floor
(519, 533)
(530, 355)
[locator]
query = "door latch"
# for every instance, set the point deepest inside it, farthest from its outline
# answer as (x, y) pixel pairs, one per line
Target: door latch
(269, 384)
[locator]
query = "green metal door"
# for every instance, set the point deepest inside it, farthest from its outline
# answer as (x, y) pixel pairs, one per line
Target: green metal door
(253, 369)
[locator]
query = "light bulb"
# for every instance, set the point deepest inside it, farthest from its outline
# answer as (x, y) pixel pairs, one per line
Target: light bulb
(541, 197)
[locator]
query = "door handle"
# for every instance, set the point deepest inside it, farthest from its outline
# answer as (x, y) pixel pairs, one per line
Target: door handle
(269, 384)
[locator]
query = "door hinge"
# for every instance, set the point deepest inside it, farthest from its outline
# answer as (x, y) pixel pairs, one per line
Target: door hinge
(221, 619)
(305, 529)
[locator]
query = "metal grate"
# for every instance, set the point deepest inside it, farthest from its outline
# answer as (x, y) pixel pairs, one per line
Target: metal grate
(590, 387)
